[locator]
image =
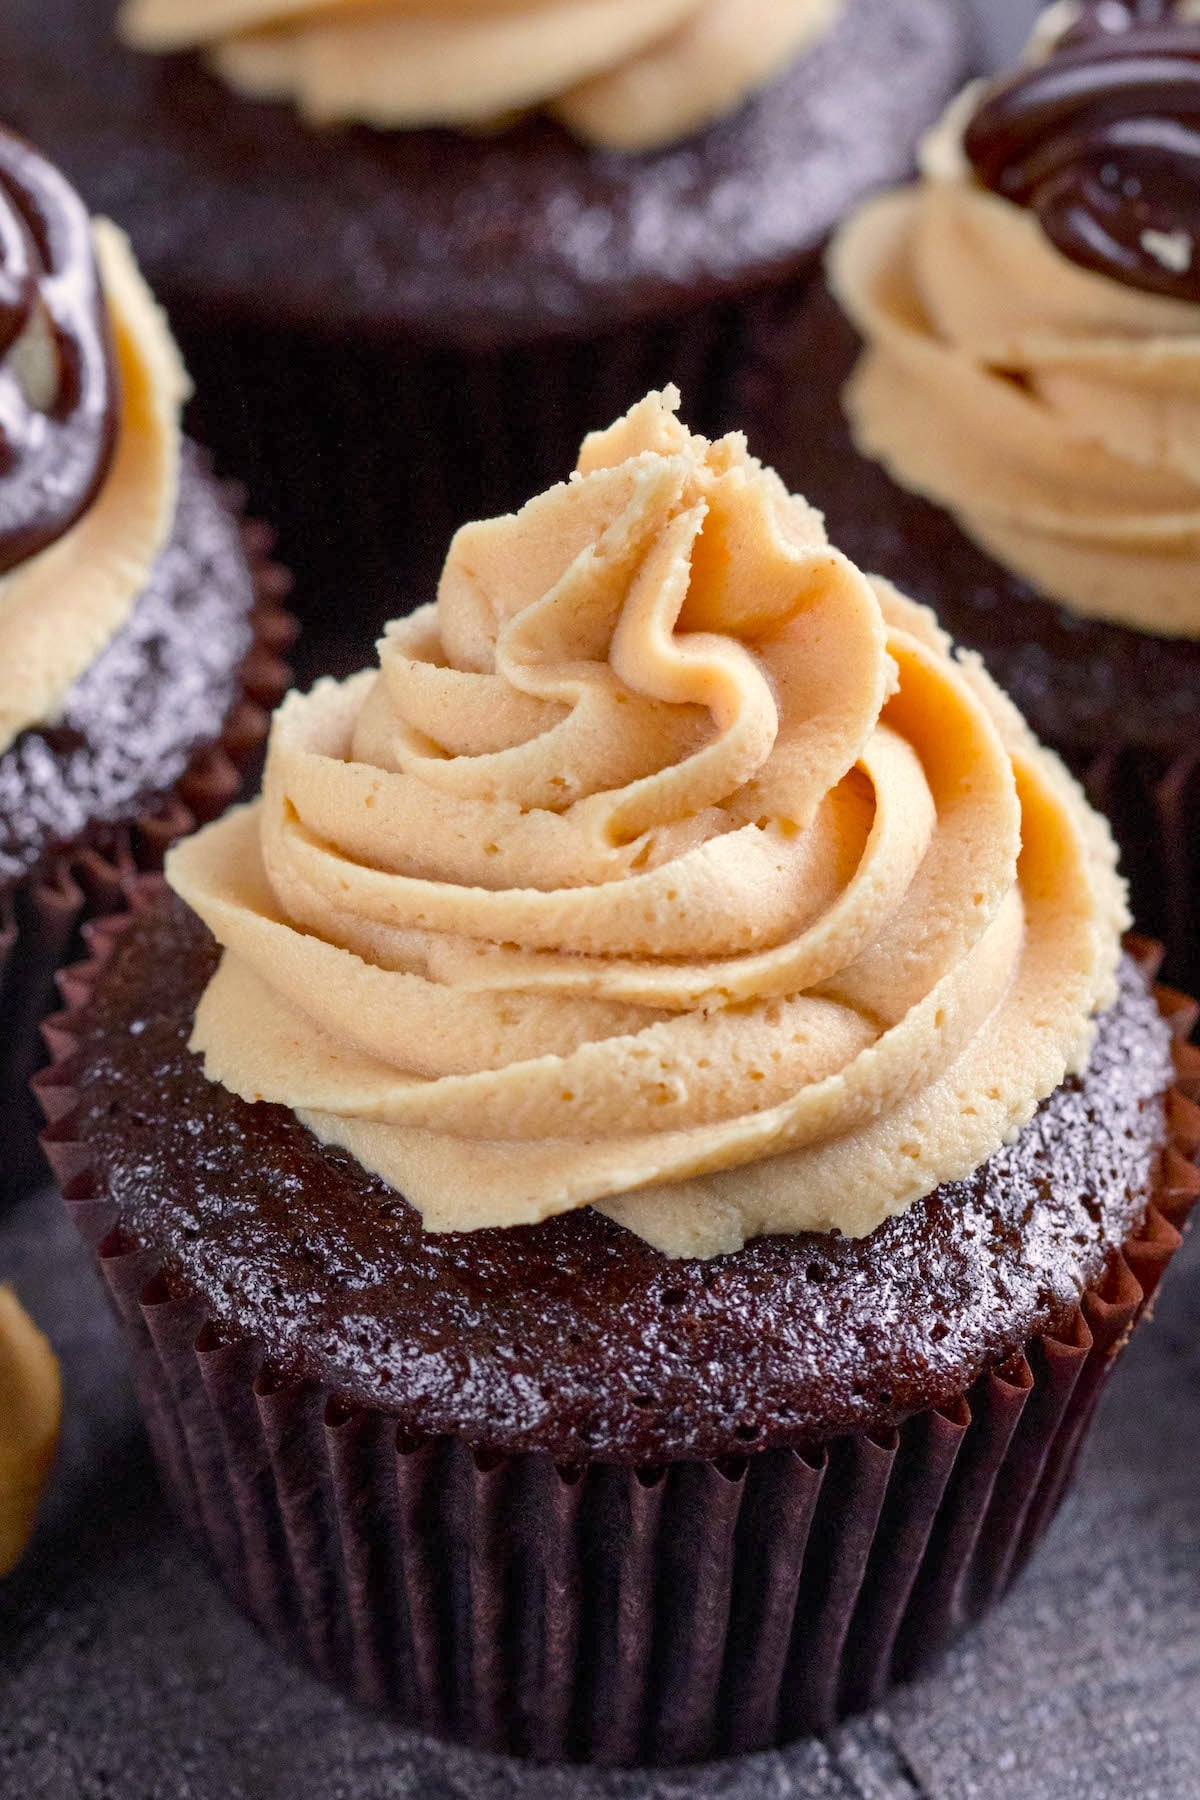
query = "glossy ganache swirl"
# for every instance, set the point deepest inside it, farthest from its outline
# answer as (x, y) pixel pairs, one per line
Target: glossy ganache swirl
(58, 379)
(667, 864)
(1101, 140)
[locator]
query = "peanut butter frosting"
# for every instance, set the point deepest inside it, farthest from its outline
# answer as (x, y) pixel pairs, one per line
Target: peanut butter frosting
(1053, 410)
(623, 74)
(61, 607)
(666, 864)
(30, 1417)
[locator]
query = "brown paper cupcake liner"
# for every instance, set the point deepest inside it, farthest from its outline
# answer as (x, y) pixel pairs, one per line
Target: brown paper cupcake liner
(369, 455)
(605, 1613)
(41, 917)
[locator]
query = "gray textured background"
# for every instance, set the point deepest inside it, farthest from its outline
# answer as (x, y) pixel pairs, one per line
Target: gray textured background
(125, 1675)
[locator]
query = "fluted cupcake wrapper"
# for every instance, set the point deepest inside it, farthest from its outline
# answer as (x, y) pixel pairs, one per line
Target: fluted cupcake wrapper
(605, 1613)
(42, 915)
(369, 454)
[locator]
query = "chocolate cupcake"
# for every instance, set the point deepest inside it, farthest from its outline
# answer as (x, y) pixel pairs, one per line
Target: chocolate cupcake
(1031, 317)
(402, 323)
(625, 1172)
(139, 619)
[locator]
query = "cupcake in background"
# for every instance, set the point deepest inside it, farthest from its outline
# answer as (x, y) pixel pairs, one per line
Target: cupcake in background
(645, 1144)
(139, 621)
(414, 251)
(1021, 446)
(628, 75)
(30, 1419)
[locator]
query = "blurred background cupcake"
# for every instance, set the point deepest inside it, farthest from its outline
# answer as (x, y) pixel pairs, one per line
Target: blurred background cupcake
(139, 619)
(414, 251)
(1019, 443)
(31, 1408)
(646, 1144)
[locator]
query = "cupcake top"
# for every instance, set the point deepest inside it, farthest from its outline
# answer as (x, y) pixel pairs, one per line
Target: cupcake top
(624, 74)
(91, 388)
(666, 864)
(1031, 310)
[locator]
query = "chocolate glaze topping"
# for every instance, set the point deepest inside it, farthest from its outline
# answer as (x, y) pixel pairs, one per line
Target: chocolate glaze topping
(1102, 142)
(51, 462)
(573, 1336)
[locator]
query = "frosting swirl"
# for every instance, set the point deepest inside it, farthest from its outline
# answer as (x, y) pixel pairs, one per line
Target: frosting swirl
(665, 864)
(1054, 411)
(91, 388)
(624, 74)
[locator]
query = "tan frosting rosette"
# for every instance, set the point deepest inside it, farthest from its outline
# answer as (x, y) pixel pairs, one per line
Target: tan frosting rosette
(1054, 411)
(666, 864)
(625, 74)
(61, 607)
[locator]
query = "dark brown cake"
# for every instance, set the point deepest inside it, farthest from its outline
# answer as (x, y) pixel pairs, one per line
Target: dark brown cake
(575, 1337)
(391, 332)
(1119, 705)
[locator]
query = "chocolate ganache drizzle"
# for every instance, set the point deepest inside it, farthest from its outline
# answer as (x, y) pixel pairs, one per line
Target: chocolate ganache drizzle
(58, 379)
(1101, 140)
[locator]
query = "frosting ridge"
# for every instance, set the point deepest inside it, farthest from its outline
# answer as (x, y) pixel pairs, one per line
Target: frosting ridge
(667, 864)
(1053, 410)
(623, 74)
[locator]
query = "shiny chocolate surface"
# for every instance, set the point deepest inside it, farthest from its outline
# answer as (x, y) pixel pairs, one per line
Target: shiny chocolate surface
(1101, 140)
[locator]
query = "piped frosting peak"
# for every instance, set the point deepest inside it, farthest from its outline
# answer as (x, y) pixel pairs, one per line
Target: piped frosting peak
(666, 864)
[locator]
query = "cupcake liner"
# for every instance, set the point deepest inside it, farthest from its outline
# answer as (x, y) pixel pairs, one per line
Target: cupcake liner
(605, 1613)
(41, 917)
(368, 454)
